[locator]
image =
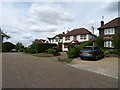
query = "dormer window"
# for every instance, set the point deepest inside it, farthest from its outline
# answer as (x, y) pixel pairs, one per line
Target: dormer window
(109, 31)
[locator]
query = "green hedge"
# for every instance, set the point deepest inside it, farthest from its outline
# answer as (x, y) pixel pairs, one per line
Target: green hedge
(42, 47)
(73, 50)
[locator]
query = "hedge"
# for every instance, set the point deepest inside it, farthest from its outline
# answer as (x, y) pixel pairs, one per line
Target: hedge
(42, 47)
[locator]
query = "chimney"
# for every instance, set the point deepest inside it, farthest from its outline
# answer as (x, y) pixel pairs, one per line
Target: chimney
(102, 23)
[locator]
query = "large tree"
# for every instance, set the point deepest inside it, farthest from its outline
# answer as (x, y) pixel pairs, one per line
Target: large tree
(19, 46)
(116, 41)
(3, 35)
(7, 46)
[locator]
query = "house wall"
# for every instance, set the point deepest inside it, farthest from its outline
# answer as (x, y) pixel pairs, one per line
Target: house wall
(109, 37)
(88, 37)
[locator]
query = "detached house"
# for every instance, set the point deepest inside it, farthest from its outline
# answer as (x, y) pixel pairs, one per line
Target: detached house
(57, 40)
(108, 30)
(76, 36)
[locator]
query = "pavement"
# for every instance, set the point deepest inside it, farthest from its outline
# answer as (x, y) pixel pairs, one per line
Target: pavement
(107, 66)
(26, 71)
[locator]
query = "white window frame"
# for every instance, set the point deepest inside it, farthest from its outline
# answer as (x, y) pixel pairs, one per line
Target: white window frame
(108, 44)
(83, 36)
(67, 38)
(109, 31)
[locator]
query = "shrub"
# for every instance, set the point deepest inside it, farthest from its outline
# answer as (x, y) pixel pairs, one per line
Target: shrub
(106, 52)
(56, 48)
(72, 53)
(116, 41)
(42, 47)
(99, 42)
(30, 50)
(52, 51)
(67, 60)
(116, 51)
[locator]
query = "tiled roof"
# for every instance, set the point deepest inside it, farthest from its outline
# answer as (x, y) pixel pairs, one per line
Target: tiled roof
(77, 32)
(59, 35)
(113, 23)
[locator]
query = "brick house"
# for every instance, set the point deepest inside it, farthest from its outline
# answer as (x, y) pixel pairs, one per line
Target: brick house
(108, 30)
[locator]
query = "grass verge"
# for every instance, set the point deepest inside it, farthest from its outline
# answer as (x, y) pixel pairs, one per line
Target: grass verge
(67, 60)
(42, 55)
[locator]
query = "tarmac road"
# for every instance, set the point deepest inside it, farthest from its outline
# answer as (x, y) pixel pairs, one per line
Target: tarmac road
(25, 71)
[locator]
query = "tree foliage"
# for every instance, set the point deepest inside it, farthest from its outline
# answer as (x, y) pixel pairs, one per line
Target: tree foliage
(7, 46)
(116, 41)
(99, 42)
(19, 46)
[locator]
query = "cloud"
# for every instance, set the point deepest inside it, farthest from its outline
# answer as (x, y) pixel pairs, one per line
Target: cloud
(48, 28)
(50, 14)
(111, 7)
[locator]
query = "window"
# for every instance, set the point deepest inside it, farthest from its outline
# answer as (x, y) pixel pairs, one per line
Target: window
(82, 36)
(75, 37)
(109, 31)
(107, 43)
(52, 40)
(65, 45)
(56, 39)
(67, 38)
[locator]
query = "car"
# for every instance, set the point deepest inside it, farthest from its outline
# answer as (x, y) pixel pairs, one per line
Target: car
(13, 50)
(91, 52)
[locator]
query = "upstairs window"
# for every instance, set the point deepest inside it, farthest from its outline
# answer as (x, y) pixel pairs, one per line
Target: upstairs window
(56, 40)
(75, 37)
(109, 31)
(83, 36)
(67, 38)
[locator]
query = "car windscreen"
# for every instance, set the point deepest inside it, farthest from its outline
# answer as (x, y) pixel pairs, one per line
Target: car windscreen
(87, 48)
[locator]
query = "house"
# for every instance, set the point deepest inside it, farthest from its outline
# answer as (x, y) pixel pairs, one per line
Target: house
(57, 40)
(48, 40)
(108, 30)
(40, 40)
(76, 36)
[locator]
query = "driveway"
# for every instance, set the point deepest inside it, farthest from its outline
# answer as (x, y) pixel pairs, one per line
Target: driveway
(25, 71)
(107, 66)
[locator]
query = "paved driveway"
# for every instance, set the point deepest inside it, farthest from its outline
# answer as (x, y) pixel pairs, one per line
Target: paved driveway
(25, 71)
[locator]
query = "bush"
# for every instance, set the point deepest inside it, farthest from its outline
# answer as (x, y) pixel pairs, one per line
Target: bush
(30, 50)
(106, 52)
(53, 51)
(116, 51)
(56, 48)
(42, 47)
(67, 60)
(72, 53)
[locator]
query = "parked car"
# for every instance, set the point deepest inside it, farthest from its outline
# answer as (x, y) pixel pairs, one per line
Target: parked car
(91, 52)
(13, 50)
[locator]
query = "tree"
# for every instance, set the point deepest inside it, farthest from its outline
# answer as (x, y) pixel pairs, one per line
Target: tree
(99, 42)
(3, 35)
(19, 46)
(116, 42)
(7, 46)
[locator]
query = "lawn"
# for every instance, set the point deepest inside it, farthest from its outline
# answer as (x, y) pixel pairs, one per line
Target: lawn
(42, 55)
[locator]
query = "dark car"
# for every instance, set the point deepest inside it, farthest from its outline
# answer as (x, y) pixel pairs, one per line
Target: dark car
(91, 52)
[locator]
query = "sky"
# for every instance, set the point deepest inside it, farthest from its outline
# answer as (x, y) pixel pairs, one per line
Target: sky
(27, 21)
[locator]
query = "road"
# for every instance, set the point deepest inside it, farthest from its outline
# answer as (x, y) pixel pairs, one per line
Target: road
(25, 71)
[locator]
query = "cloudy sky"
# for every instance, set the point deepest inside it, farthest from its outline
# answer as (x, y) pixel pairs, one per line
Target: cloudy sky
(26, 21)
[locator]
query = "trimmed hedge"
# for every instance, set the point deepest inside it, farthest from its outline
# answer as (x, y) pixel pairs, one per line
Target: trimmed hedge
(41, 47)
